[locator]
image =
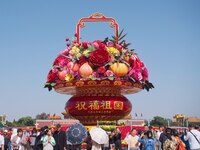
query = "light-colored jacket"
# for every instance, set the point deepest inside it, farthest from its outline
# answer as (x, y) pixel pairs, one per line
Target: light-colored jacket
(18, 142)
(48, 144)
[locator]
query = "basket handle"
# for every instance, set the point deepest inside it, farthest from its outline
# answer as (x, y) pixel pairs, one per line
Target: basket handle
(97, 17)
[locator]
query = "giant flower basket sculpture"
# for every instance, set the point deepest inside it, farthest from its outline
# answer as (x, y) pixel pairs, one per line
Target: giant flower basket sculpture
(98, 74)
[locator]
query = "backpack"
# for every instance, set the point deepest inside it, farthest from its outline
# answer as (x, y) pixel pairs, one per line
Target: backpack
(149, 144)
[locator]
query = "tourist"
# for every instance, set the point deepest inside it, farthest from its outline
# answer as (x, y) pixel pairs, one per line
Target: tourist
(38, 143)
(14, 133)
(48, 140)
(1, 142)
(132, 140)
(117, 139)
(187, 145)
(18, 141)
(148, 141)
(168, 140)
(96, 146)
(111, 140)
(179, 143)
(193, 136)
(33, 138)
(60, 138)
(157, 136)
(88, 140)
(6, 140)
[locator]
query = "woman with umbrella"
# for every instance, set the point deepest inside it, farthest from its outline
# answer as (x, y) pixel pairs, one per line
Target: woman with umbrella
(76, 134)
(99, 137)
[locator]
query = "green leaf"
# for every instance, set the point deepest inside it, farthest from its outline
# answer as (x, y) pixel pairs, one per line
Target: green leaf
(126, 63)
(53, 84)
(120, 34)
(46, 85)
(127, 45)
(132, 79)
(114, 38)
(49, 88)
(111, 78)
(122, 37)
(91, 48)
(108, 64)
(113, 41)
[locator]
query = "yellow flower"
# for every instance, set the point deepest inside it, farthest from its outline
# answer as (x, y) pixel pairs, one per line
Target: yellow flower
(76, 49)
(86, 51)
(112, 50)
(69, 77)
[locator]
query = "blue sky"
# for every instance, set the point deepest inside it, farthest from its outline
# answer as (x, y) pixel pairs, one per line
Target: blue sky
(165, 34)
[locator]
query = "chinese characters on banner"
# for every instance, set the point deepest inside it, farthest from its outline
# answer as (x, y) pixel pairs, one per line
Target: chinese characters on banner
(97, 106)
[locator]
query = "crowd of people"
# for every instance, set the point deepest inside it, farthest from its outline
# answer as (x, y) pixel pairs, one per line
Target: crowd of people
(164, 138)
(45, 139)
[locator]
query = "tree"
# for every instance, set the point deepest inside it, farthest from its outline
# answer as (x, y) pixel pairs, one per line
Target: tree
(26, 121)
(42, 116)
(158, 121)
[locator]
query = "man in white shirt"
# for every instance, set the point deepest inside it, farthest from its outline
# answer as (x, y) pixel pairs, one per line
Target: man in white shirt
(1, 142)
(132, 140)
(161, 128)
(193, 136)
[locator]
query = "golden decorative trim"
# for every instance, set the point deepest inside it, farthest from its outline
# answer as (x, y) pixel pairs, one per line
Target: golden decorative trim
(98, 87)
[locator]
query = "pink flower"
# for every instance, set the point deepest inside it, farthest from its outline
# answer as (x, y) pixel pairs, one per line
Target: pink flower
(61, 61)
(110, 44)
(65, 51)
(98, 44)
(95, 74)
(145, 74)
(135, 61)
(109, 73)
(136, 74)
(55, 70)
(119, 47)
(51, 77)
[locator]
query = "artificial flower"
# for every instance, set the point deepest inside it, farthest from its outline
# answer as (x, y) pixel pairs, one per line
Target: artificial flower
(85, 45)
(69, 77)
(85, 52)
(61, 61)
(108, 73)
(101, 69)
(51, 76)
(99, 57)
(112, 50)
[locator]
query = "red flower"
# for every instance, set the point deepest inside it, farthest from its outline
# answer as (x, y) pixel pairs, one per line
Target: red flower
(85, 45)
(99, 45)
(101, 69)
(82, 60)
(51, 77)
(145, 74)
(99, 57)
(61, 61)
